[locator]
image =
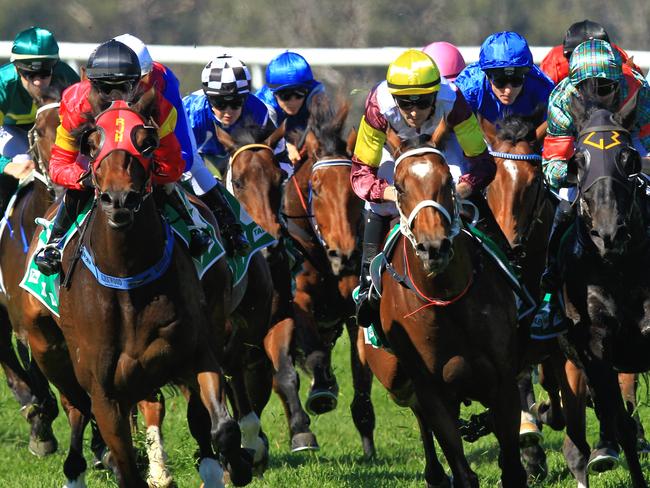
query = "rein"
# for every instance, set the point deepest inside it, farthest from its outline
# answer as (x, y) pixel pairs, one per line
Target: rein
(516, 157)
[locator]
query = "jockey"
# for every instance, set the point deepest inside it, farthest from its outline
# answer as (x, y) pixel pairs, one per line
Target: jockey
(593, 61)
(289, 90)
(412, 101)
(113, 72)
(224, 101)
(448, 58)
(203, 183)
(556, 63)
(34, 67)
(505, 81)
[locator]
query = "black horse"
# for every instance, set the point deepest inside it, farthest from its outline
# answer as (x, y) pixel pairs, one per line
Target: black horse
(605, 263)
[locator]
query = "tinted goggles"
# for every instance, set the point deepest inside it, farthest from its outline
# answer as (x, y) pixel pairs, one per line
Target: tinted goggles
(286, 95)
(409, 102)
(32, 75)
(515, 81)
(107, 87)
(606, 87)
(222, 103)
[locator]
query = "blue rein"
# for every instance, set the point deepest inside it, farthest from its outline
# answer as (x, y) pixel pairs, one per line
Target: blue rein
(516, 157)
(141, 279)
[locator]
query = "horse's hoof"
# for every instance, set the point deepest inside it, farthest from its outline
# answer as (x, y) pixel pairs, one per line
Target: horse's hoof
(42, 447)
(447, 482)
(533, 459)
(160, 479)
(642, 446)
(211, 474)
(240, 468)
(304, 441)
(78, 483)
(261, 462)
(321, 401)
(602, 459)
(529, 434)
(369, 451)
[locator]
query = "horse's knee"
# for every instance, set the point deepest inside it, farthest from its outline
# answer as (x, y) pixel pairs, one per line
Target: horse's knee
(456, 371)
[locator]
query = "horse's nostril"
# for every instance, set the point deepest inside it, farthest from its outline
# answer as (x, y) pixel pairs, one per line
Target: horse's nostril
(106, 198)
(131, 200)
(594, 233)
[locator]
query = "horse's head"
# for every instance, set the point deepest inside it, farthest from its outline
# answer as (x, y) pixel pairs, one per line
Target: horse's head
(427, 202)
(335, 207)
(254, 173)
(43, 133)
(517, 193)
(120, 146)
(605, 168)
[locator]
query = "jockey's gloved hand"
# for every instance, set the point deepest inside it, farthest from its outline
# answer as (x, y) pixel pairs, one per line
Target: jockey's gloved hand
(86, 180)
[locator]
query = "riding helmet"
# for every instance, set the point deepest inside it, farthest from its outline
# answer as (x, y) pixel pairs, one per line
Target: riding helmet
(288, 70)
(448, 58)
(505, 50)
(226, 76)
(113, 61)
(413, 73)
(35, 49)
(140, 49)
(580, 32)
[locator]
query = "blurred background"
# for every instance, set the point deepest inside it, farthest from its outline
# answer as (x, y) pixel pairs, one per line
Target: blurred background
(325, 23)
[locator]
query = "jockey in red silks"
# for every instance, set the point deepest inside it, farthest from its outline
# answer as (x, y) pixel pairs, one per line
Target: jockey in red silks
(556, 63)
(113, 72)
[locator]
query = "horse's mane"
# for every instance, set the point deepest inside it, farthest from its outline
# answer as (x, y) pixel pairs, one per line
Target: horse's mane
(250, 133)
(516, 128)
(326, 121)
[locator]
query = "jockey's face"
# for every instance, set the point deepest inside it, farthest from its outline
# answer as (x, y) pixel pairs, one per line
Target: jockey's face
(35, 83)
(227, 109)
(291, 100)
(415, 109)
(508, 93)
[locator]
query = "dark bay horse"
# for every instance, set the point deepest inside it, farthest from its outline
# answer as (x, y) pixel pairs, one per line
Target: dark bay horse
(113, 346)
(255, 178)
(324, 215)
(30, 387)
(606, 285)
(449, 318)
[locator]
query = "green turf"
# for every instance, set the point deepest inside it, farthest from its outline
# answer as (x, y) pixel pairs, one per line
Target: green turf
(338, 464)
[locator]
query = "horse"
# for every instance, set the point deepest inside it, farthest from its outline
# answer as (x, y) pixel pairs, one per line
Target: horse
(606, 289)
(111, 347)
(324, 216)
(449, 317)
(255, 178)
(37, 403)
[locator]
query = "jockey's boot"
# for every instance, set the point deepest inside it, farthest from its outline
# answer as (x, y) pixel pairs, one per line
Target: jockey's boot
(367, 304)
(8, 186)
(199, 239)
(549, 320)
(231, 230)
(48, 259)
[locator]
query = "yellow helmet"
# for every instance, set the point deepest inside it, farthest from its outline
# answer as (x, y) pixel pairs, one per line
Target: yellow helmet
(413, 73)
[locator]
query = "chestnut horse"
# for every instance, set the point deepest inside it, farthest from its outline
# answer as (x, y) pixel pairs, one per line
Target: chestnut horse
(449, 317)
(324, 215)
(31, 389)
(111, 347)
(255, 178)
(606, 285)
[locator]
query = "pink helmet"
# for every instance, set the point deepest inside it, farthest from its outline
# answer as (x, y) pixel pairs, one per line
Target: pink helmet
(448, 58)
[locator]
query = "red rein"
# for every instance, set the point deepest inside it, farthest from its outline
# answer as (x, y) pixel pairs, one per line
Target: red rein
(432, 302)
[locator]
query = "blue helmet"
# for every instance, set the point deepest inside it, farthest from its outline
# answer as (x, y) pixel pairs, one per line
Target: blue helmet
(288, 70)
(505, 50)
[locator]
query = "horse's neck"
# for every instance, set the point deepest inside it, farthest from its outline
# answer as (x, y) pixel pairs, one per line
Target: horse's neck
(127, 252)
(450, 281)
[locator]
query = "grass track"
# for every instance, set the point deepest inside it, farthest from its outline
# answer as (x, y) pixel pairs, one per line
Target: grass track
(338, 464)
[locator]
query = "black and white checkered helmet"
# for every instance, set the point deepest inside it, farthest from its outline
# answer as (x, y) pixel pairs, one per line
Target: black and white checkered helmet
(226, 76)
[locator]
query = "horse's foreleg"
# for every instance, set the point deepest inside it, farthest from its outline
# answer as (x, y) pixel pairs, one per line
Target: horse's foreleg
(629, 383)
(74, 466)
(363, 413)
(153, 411)
(434, 473)
(286, 384)
(114, 424)
(551, 413)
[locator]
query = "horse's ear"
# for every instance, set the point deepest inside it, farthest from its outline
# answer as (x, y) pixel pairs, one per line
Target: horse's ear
(225, 139)
(352, 141)
(489, 130)
(312, 144)
(439, 136)
(393, 140)
(82, 73)
(145, 101)
(342, 114)
(275, 137)
(576, 167)
(89, 141)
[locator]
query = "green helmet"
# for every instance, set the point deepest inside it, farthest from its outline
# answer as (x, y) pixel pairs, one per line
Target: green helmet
(35, 49)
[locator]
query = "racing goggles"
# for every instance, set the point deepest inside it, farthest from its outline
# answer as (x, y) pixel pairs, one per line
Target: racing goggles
(605, 87)
(286, 95)
(106, 87)
(32, 75)
(222, 103)
(409, 102)
(513, 76)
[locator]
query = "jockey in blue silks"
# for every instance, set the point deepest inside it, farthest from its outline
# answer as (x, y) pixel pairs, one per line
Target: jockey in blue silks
(505, 81)
(288, 92)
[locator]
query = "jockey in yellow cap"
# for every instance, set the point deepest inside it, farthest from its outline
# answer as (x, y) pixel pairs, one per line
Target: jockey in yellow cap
(413, 100)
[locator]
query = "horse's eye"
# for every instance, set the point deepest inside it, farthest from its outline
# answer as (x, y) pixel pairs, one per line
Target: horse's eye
(399, 189)
(237, 184)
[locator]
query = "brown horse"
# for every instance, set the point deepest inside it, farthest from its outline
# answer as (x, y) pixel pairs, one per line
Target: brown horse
(449, 317)
(30, 387)
(111, 347)
(255, 178)
(324, 217)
